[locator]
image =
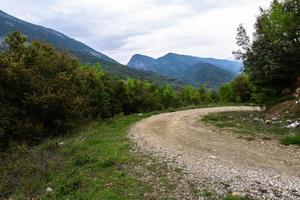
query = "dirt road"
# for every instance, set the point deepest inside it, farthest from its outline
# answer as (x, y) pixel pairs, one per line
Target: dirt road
(217, 159)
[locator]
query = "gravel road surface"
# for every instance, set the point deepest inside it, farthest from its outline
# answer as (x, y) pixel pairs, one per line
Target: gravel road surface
(217, 159)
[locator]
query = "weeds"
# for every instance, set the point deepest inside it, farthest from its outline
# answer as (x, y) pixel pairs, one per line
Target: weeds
(251, 125)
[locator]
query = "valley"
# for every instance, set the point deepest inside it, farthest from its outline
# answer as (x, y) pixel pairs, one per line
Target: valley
(191, 70)
(84, 115)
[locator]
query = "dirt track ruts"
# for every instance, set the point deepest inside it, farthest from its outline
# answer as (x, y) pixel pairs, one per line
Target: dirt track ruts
(217, 159)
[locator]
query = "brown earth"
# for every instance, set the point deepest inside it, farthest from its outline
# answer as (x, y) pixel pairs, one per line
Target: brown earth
(285, 109)
(217, 159)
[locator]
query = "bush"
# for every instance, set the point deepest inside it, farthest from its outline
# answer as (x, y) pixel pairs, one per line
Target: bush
(239, 90)
(44, 93)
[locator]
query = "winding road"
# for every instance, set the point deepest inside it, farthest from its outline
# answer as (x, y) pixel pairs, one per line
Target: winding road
(217, 159)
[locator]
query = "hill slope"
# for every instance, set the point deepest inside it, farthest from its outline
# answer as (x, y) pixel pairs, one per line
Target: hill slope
(206, 74)
(84, 53)
(190, 69)
(10, 24)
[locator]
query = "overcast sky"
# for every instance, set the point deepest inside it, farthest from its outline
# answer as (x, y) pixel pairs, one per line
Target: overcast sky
(122, 28)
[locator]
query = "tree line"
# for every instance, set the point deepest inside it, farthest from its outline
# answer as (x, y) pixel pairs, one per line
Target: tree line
(44, 93)
(272, 59)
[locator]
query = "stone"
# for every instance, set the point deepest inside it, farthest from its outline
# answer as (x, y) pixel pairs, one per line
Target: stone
(213, 157)
(49, 189)
(256, 119)
(294, 125)
(268, 121)
(236, 194)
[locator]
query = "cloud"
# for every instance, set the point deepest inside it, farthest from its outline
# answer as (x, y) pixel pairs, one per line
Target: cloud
(153, 27)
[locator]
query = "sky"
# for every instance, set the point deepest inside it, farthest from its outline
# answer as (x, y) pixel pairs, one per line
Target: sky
(122, 28)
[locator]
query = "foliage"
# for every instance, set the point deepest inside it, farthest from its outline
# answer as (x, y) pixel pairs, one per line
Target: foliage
(272, 60)
(239, 90)
(44, 93)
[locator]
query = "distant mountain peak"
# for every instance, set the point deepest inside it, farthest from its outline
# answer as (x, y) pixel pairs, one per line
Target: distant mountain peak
(9, 23)
(141, 56)
(86, 54)
(190, 69)
(171, 54)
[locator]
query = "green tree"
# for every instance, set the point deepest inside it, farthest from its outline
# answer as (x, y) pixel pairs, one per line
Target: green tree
(272, 59)
(227, 93)
(168, 96)
(189, 95)
(242, 88)
(42, 91)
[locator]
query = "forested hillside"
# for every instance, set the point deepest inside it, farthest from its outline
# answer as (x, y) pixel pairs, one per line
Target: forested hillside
(189, 69)
(65, 116)
(45, 92)
(85, 54)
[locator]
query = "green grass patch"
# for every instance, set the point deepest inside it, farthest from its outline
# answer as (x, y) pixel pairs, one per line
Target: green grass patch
(96, 161)
(288, 140)
(251, 125)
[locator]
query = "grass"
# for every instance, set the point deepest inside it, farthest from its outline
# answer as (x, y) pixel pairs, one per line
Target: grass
(92, 164)
(288, 140)
(249, 128)
(96, 161)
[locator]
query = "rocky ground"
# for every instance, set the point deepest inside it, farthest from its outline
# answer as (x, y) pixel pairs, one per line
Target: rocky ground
(217, 160)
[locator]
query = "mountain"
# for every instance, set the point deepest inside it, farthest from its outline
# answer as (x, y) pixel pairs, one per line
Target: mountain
(84, 53)
(190, 69)
(10, 24)
(142, 62)
(205, 74)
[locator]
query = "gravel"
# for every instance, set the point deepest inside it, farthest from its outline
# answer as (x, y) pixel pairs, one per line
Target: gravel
(217, 159)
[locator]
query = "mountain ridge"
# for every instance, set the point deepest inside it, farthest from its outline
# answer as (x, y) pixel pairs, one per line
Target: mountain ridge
(84, 53)
(38, 32)
(177, 65)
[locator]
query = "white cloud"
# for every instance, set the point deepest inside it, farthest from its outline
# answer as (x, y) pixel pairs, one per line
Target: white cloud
(153, 27)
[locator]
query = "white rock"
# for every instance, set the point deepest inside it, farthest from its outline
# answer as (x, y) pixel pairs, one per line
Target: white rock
(294, 125)
(49, 189)
(213, 157)
(236, 194)
(140, 114)
(268, 121)
(256, 119)
(61, 143)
